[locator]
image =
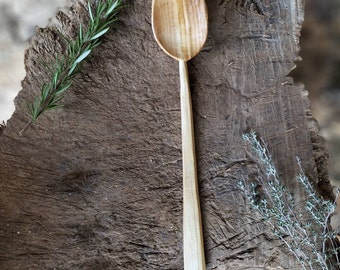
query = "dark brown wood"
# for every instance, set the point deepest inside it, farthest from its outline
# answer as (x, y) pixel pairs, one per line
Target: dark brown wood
(97, 184)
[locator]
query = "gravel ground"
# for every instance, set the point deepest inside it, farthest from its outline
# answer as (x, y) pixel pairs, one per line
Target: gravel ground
(18, 20)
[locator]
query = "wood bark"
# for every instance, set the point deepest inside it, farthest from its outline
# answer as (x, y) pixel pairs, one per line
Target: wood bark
(97, 184)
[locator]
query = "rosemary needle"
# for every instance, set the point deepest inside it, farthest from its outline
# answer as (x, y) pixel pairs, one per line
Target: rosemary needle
(68, 65)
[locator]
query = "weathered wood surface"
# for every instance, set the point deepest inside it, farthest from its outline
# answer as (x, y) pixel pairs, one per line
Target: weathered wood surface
(97, 184)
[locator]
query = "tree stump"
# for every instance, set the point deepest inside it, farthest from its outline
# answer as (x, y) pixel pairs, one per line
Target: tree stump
(97, 184)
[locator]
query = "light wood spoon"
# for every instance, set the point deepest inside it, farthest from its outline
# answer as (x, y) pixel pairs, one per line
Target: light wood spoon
(180, 28)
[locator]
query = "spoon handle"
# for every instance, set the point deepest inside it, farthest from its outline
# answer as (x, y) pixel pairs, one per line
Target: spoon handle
(193, 246)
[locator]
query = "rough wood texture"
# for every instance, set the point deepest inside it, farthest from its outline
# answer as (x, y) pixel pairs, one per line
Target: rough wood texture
(97, 184)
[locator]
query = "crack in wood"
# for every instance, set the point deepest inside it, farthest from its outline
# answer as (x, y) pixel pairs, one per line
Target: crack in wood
(2, 127)
(241, 253)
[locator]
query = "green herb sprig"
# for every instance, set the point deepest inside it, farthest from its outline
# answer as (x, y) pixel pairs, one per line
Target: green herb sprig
(68, 65)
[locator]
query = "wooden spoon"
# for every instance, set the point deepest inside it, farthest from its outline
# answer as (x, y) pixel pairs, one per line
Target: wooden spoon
(180, 28)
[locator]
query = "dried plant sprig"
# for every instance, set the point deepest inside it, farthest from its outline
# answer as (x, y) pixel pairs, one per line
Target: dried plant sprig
(308, 236)
(69, 65)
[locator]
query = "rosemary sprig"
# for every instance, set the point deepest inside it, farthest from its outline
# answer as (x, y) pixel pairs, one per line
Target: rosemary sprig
(68, 65)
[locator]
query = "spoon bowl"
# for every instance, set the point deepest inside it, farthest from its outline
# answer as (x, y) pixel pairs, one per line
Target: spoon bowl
(180, 27)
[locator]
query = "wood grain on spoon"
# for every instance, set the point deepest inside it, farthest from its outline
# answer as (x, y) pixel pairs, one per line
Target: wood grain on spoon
(180, 28)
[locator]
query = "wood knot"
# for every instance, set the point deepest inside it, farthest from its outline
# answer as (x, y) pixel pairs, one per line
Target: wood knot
(251, 5)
